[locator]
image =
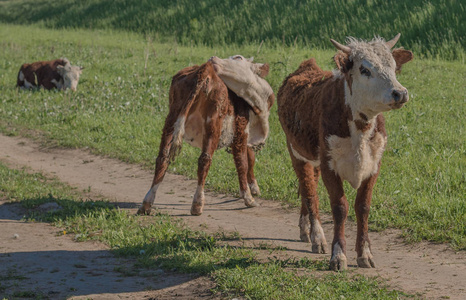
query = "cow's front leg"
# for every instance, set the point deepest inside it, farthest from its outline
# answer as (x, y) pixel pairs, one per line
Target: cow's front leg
(252, 182)
(309, 221)
(362, 207)
(209, 145)
(240, 155)
(339, 205)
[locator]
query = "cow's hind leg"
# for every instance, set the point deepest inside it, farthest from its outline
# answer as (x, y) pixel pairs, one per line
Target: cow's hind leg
(309, 221)
(252, 182)
(209, 145)
(161, 164)
(240, 151)
(362, 208)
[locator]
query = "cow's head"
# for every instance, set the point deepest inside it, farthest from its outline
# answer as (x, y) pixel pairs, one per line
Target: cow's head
(239, 67)
(369, 69)
(70, 75)
(244, 77)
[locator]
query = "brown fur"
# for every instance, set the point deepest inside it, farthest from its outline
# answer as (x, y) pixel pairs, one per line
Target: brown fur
(41, 73)
(311, 107)
(401, 57)
(198, 89)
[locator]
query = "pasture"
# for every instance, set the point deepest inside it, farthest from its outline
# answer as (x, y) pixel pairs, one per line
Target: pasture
(121, 102)
(160, 245)
(431, 28)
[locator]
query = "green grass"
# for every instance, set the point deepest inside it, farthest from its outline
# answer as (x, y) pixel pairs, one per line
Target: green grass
(121, 105)
(433, 28)
(161, 242)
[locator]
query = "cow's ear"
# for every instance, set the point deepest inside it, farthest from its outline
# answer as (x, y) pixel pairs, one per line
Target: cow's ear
(401, 57)
(264, 70)
(343, 62)
(251, 59)
(81, 68)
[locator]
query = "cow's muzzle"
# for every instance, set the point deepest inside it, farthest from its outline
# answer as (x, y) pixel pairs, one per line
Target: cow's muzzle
(400, 97)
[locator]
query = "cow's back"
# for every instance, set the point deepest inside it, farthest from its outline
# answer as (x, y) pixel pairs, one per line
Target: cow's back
(40, 74)
(301, 102)
(195, 83)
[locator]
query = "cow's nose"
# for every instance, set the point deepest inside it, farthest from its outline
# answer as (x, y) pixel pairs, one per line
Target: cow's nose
(400, 96)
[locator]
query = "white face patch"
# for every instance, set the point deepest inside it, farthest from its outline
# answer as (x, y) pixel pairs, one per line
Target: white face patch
(373, 79)
(150, 196)
(314, 163)
(70, 75)
(242, 77)
(355, 158)
(21, 76)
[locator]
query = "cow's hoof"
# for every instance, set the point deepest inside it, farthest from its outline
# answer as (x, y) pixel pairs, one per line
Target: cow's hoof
(366, 262)
(144, 210)
(338, 263)
(254, 189)
(320, 248)
(252, 203)
(196, 209)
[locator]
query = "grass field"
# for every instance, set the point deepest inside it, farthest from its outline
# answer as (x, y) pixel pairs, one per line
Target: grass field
(131, 49)
(432, 28)
(121, 104)
(162, 242)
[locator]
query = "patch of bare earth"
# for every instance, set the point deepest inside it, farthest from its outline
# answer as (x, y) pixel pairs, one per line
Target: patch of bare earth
(37, 260)
(432, 271)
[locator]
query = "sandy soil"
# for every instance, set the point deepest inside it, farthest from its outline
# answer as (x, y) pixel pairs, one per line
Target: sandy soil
(431, 271)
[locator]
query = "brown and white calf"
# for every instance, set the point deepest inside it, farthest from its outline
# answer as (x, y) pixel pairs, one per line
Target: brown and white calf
(208, 115)
(334, 127)
(58, 73)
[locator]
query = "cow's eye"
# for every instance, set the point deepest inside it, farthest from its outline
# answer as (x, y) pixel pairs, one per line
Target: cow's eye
(365, 72)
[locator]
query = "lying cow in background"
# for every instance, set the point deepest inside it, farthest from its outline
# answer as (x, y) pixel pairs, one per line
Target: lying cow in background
(51, 74)
(206, 113)
(334, 126)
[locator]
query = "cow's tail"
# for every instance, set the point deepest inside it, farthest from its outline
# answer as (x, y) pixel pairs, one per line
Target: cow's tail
(177, 141)
(202, 86)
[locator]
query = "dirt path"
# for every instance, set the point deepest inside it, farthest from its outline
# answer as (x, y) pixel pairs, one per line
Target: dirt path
(39, 262)
(434, 271)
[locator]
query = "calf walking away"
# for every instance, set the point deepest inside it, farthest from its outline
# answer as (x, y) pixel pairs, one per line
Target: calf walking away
(334, 127)
(222, 103)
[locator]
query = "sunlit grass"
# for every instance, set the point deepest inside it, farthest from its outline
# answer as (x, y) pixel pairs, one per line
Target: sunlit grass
(164, 244)
(433, 28)
(121, 104)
